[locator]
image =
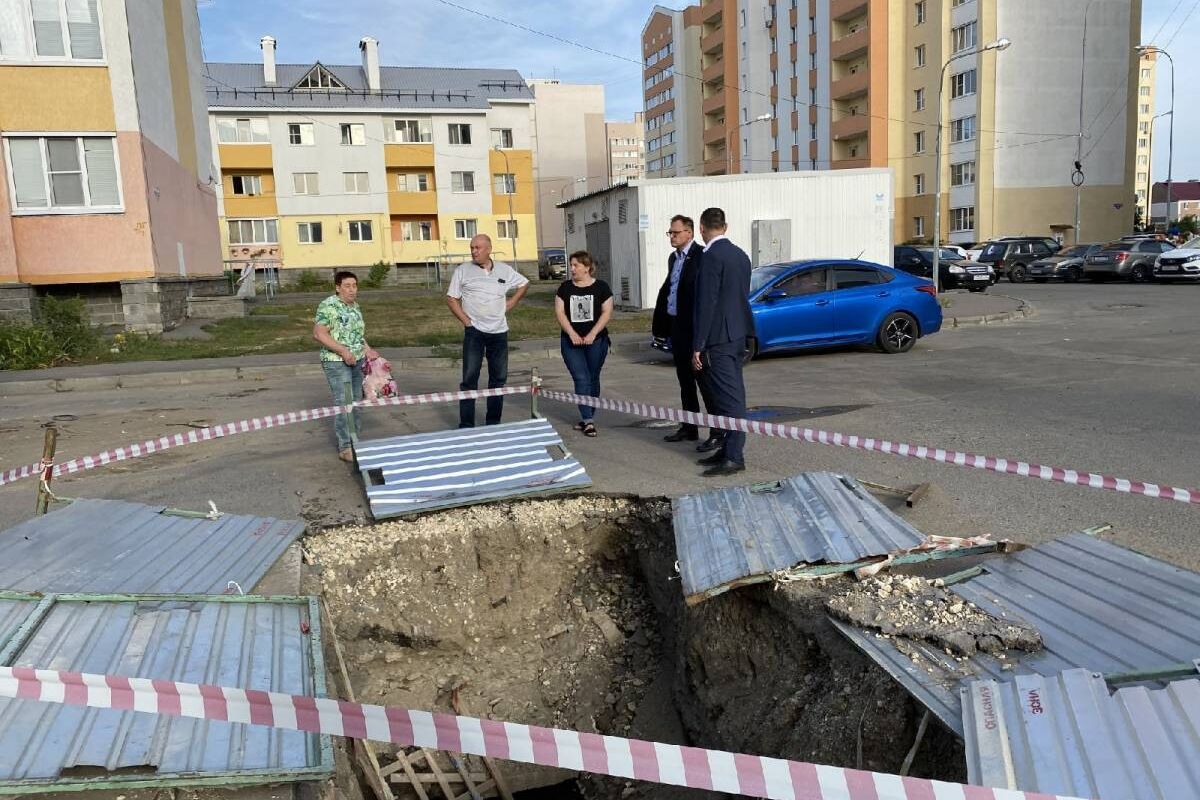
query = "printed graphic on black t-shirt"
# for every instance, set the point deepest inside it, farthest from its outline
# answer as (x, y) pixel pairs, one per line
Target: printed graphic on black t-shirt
(581, 308)
(583, 304)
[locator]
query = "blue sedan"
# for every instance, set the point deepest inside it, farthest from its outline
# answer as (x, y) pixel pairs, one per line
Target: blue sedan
(823, 303)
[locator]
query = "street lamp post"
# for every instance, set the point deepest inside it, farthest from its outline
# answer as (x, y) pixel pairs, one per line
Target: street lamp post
(729, 139)
(1148, 221)
(999, 44)
(1170, 135)
(512, 224)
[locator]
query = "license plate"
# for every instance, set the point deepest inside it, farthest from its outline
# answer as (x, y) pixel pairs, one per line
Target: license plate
(1101, 260)
(981, 277)
(1169, 269)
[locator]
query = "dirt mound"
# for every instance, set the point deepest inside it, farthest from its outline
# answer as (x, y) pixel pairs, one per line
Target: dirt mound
(917, 608)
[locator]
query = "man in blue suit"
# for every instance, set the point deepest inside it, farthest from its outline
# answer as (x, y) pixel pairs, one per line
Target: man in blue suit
(723, 323)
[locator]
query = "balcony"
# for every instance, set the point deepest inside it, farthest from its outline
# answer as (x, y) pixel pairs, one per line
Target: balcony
(408, 155)
(716, 166)
(774, 95)
(714, 71)
(412, 202)
(712, 42)
(793, 17)
(851, 46)
(773, 62)
(715, 135)
(847, 9)
(850, 127)
(851, 163)
(711, 11)
(245, 156)
(850, 86)
(714, 103)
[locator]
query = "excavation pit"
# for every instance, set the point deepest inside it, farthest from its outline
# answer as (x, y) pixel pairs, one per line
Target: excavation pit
(569, 613)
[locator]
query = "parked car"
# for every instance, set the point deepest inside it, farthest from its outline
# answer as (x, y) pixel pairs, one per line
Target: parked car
(972, 251)
(822, 303)
(1182, 263)
(552, 264)
(1012, 256)
(1065, 265)
(1133, 261)
(953, 272)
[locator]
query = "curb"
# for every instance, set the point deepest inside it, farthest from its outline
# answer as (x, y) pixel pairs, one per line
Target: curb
(1023, 311)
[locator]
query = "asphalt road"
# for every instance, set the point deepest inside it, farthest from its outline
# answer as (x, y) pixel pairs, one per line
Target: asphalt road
(1102, 378)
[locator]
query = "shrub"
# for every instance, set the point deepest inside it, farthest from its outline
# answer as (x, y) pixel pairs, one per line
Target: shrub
(67, 323)
(25, 346)
(309, 281)
(377, 275)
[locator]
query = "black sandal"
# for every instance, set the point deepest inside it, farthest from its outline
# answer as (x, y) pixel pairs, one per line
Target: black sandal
(589, 429)
(579, 426)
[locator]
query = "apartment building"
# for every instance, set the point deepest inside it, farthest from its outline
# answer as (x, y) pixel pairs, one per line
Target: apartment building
(1144, 155)
(626, 149)
(570, 149)
(830, 84)
(106, 186)
(670, 62)
(331, 166)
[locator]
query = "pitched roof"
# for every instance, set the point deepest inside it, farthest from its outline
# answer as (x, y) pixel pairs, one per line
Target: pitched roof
(1180, 190)
(241, 86)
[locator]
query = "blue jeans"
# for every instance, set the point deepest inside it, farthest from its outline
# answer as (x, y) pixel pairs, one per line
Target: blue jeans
(476, 345)
(340, 375)
(584, 362)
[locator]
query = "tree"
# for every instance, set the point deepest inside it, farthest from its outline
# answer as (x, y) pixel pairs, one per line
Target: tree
(1188, 225)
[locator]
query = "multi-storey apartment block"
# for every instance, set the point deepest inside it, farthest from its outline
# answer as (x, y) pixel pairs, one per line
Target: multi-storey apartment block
(828, 84)
(627, 149)
(671, 51)
(105, 189)
(328, 166)
(1144, 158)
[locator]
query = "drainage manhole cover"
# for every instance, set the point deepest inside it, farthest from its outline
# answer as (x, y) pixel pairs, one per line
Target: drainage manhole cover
(653, 423)
(1120, 306)
(777, 413)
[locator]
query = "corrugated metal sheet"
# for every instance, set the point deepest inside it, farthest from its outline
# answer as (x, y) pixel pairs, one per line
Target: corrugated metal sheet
(399, 87)
(465, 466)
(12, 614)
(239, 642)
(742, 534)
(1066, 735)
(115, 546)
(1098, 606)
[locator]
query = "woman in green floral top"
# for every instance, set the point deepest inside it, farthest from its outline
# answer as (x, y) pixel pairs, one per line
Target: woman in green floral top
(341, 332)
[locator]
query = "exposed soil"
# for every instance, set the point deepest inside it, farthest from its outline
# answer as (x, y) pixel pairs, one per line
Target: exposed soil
(919, 608)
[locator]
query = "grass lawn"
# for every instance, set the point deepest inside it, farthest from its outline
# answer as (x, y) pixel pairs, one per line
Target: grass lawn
(393, 320)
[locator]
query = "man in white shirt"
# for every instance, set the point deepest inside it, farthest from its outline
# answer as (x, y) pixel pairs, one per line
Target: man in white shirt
(478, 297)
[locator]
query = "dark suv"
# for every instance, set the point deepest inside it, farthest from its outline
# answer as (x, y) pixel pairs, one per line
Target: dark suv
(1133, 261)
(953, 271)
(1012, 256)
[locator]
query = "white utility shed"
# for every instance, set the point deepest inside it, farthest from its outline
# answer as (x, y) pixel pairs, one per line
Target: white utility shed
(774, 217)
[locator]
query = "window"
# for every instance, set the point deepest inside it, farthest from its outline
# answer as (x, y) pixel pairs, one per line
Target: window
(1143, 143)
(1143, 161)
(320, 78)
(962, 129)
(308, 232)
(357, 182)
(506, 228)
(1145, 74)
(416, 231)
(957, 3)
(812, 62)
(919, 12)
(305, 182)
(60, 29)
(504, 183)
(918, 226)
(464, 228)
(253, 231)
(962, 84)
(462, 182)
(810, 281)
(502, 138)
(919, 142)
(622, 211)
(1141, 176)
(247, 184)
(414, 182)
(812, 130)
(570, 222)
(919, 100)
(460, 133)
(962, 219)
(411, 131)
(360, 230)
(962, 173)
(300, 133)
(243, 131)
(354, 133)
(64, 173)
(1144, 108)
(1144, 91)
(919, 55)
(962, 38)
(919, 183)
(854, 277)
(1144, 127)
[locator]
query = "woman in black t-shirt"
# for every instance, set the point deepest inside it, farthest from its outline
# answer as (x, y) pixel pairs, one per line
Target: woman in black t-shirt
(583, 307)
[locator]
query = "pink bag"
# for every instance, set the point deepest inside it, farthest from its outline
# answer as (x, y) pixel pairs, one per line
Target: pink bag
(377, 379)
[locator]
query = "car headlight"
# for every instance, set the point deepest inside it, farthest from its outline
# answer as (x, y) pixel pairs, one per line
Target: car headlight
(991, 271)
(957, 270)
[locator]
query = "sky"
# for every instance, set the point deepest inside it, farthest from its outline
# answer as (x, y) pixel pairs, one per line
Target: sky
(583, 42)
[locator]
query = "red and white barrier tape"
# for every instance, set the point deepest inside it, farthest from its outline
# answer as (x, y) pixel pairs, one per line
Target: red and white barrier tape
(1005, 466)
(244, 426)
(716, 770)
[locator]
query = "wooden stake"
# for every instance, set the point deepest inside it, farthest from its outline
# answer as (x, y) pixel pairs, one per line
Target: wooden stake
(43, 492)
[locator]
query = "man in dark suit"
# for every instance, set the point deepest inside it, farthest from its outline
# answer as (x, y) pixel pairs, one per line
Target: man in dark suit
(673, 318)
(723, 323)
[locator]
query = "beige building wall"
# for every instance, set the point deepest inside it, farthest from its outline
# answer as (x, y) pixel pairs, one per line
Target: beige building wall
(626, 149)
(570, 150)
(1143, 154)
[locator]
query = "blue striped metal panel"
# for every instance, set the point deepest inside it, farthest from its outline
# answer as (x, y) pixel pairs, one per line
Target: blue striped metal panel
(255, 645)
(1098, 606)
(427, 471)
(742, 534)
(102, 546)
(1066, 735)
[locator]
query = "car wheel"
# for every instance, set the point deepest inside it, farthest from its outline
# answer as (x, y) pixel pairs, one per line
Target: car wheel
(1017, 273)
(1072, 276)
(1139, 274)
(898, 333)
